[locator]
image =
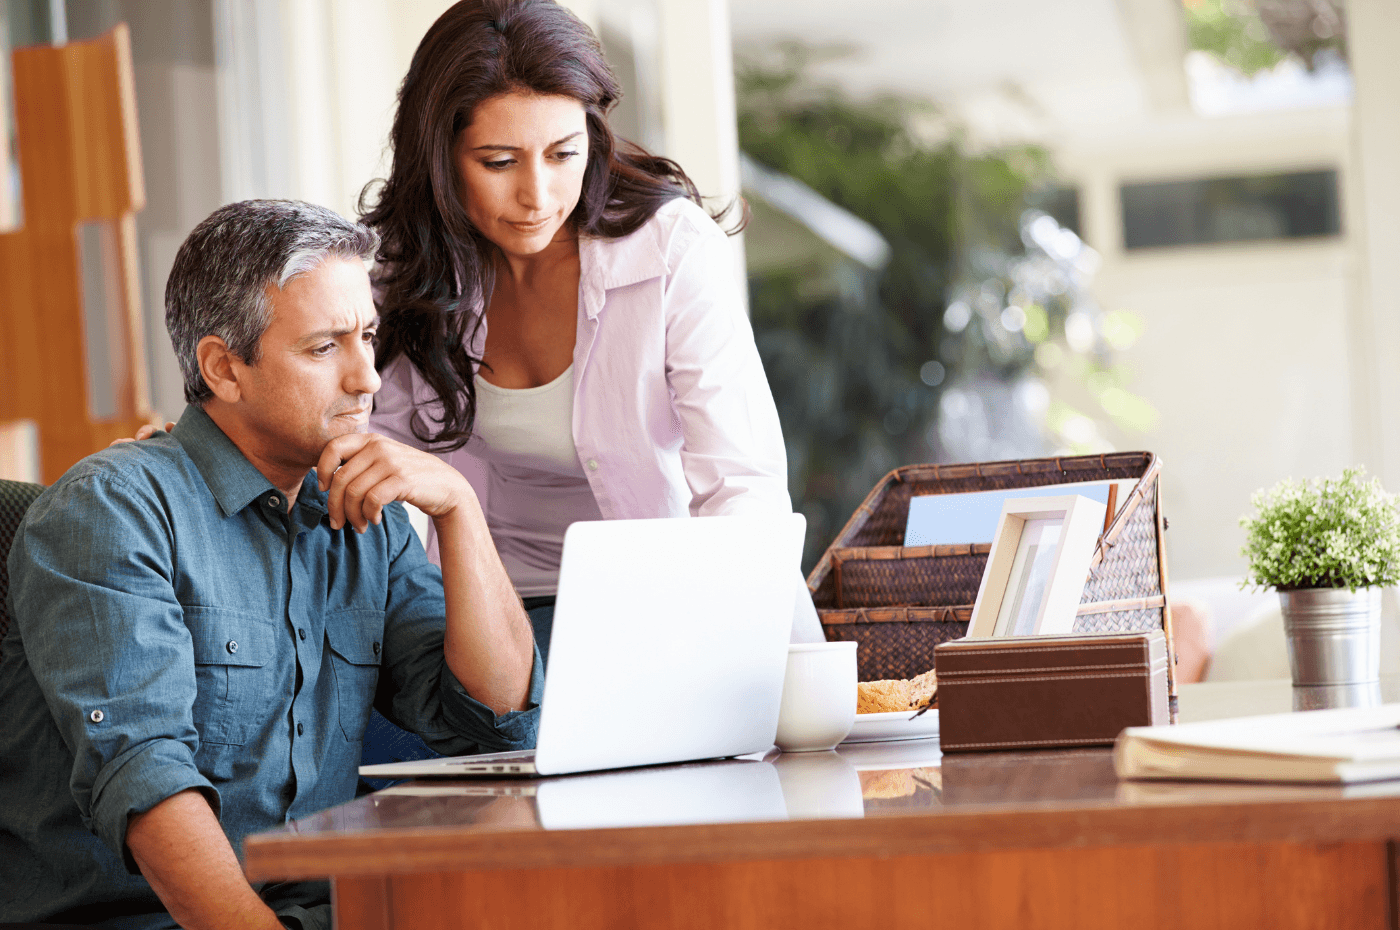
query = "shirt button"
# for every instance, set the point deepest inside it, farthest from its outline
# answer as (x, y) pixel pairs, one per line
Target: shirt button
(592, 464)
(301, 633)
(96, 716)
(232, 646)
(274, 501)
(376, 649)
(300, 729)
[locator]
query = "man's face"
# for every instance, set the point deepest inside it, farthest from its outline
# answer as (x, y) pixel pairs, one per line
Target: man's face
(316, 378)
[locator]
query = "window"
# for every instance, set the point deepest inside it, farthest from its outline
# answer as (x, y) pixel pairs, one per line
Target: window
(1240, 209)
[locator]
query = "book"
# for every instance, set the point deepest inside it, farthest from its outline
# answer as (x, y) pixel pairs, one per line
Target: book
(1355, 744)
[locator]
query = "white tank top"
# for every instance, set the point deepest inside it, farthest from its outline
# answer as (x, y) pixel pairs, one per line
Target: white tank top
(537, 482)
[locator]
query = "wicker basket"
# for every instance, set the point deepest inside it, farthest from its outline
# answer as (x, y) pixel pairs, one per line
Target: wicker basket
(898, 603)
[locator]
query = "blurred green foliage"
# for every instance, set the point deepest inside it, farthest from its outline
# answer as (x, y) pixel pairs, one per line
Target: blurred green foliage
(1255, 35)
(1232, 31)
(857, 359)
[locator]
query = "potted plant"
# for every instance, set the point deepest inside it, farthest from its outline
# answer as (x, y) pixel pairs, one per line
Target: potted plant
(1327, 546)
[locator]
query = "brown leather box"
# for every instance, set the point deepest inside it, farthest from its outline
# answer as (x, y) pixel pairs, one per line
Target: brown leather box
(1043, 692)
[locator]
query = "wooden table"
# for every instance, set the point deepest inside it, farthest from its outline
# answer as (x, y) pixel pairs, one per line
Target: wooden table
(883, 835)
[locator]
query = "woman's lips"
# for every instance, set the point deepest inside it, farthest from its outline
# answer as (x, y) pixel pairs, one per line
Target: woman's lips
(528, 227)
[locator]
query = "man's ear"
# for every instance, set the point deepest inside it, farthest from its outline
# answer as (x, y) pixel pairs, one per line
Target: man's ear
(219, 366)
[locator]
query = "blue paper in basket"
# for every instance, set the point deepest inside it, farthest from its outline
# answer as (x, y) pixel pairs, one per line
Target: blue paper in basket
(960, 519)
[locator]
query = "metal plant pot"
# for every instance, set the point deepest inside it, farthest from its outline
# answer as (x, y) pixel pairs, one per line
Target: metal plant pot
(1334, 635)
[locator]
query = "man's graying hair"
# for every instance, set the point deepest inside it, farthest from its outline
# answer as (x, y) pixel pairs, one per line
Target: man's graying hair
(218, 284)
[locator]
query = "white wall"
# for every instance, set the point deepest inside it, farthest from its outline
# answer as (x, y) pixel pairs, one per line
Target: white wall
(174, 65)
(682, 60)
(1373, 28)
(254, 98)
(1247, 350)
(310, 91)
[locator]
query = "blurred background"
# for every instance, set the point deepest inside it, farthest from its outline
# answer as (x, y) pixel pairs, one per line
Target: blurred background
(980, 229)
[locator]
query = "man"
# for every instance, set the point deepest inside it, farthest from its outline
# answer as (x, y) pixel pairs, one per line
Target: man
(202, 620)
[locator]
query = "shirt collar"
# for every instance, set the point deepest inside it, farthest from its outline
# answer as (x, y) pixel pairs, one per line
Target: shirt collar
(231, 478)
(311, 496)
(605, 264)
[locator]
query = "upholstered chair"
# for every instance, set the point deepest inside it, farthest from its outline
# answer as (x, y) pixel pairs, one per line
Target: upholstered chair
(15, 498)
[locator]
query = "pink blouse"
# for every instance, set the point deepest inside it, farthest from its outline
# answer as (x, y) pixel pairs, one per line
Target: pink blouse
(672, 410)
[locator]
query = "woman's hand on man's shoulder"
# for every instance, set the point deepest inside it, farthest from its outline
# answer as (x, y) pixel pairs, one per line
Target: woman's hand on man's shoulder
(145, 432)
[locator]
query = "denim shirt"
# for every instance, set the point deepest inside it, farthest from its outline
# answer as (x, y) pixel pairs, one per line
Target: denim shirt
(174, 627)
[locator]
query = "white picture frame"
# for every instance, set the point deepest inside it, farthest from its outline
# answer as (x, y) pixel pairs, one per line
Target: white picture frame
(1037, 567)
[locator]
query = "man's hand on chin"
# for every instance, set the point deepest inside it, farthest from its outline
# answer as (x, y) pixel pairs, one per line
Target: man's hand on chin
(364, 472)
(487, 642)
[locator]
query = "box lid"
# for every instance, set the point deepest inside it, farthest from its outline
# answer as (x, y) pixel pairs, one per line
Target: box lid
(1011, 654)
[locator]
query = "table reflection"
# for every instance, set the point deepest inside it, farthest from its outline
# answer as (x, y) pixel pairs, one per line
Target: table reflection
(849, 783)
(861, 780)
(782, 786)
(718, 792)
(726, 791)
(819, 785)
(1323, 697)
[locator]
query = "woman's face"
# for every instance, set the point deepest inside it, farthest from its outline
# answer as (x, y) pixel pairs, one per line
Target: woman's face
(521, 163)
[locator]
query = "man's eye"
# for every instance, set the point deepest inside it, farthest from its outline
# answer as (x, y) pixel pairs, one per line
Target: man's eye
(370, 336)
(323, 350)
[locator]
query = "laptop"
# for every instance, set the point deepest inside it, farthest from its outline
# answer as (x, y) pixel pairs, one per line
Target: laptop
(669, 645)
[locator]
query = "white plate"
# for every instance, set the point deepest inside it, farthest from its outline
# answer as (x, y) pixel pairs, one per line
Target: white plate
(873, 728)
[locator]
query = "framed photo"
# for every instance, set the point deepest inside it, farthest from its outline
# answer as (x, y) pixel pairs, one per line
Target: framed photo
(1037, 567)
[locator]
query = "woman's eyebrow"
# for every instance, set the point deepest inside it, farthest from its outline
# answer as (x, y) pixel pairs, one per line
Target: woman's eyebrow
(517, 148)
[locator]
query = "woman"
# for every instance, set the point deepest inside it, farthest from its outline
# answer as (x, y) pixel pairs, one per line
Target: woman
(560, 319)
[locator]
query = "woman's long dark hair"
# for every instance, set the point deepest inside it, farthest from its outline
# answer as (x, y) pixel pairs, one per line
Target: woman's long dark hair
(435, 266)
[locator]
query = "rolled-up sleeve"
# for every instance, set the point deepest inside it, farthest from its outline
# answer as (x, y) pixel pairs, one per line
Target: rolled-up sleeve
(423, 695)
(106, 639)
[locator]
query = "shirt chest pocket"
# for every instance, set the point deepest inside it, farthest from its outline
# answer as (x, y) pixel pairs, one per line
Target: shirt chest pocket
(356, 639)
(234, 672)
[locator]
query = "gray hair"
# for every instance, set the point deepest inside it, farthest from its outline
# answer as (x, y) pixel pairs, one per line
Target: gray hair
(218, 284)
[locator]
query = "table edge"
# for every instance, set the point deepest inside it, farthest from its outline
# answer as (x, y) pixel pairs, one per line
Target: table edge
(284, 855)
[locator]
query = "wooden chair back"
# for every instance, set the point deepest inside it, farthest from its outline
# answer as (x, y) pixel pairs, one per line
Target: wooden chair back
(81, 184)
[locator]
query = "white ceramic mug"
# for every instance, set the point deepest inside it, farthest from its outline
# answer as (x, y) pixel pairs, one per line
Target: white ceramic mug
(819, 696)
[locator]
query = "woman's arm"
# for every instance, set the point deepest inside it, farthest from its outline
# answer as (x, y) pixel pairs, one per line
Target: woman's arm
(732, 441)
(732, 448)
